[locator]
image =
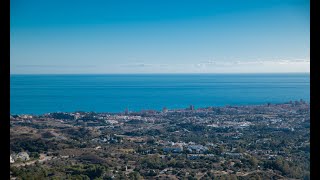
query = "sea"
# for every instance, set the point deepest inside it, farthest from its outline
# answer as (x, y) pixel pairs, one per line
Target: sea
(39, 94)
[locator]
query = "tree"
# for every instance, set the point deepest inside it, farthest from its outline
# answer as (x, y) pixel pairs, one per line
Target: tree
(220, 149)
(135, 176)
(253, 161)
(35, 155)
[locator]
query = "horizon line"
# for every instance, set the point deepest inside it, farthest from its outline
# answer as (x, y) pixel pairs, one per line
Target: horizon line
(158, 73)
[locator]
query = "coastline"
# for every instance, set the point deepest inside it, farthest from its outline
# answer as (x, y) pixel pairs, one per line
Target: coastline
(191, 108)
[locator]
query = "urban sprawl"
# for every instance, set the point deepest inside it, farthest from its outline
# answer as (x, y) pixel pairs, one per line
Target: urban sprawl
(268, 141)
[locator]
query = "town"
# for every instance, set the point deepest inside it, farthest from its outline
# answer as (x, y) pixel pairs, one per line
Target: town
(267, 141)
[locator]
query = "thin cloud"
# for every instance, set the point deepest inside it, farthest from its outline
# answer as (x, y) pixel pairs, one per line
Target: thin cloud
(139, 65)
(256, 62)
(56, 66)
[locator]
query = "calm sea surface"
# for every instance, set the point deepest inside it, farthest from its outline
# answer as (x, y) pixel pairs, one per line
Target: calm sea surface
(38, 94)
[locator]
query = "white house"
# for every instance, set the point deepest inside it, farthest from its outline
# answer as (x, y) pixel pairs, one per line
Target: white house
(24, 156)
(11, 160)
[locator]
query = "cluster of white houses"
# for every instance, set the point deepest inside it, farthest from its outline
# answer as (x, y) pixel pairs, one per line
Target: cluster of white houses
(21, 156)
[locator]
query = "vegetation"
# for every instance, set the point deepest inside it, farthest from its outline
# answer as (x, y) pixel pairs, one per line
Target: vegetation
(246, 142)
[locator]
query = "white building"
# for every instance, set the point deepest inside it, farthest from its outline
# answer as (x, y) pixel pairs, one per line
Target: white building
(11, 160)
(23, 156)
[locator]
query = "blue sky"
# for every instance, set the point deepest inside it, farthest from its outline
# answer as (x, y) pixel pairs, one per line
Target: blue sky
(160, 36)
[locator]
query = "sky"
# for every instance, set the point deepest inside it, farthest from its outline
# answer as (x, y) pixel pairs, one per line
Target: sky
(159, 36)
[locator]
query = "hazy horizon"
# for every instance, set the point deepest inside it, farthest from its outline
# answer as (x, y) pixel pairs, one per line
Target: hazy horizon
(222, 73)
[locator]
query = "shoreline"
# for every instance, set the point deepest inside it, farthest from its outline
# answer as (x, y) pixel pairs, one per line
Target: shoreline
(196, 109)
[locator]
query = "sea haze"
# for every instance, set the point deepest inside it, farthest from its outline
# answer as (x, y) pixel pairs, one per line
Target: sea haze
(38, 94)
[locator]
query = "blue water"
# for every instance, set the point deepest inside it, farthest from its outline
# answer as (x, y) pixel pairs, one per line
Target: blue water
(38, 94)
